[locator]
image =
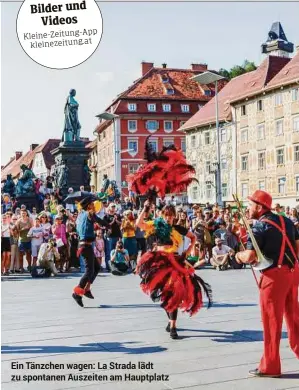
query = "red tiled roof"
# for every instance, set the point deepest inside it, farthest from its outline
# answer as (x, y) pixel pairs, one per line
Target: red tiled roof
(237, 89)
(15, 167)
(151, 86)
(46, 149)
(288, 74)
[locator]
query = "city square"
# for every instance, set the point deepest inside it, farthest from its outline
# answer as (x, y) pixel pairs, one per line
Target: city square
(217, 348)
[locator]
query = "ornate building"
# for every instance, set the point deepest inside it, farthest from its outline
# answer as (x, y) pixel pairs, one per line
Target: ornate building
(259, 121)
(157, 104)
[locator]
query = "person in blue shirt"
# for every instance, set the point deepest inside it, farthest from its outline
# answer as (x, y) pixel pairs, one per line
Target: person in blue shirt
(85, 229)
(119, 259)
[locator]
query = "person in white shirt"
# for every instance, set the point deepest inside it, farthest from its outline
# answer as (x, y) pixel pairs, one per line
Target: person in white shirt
(37, 234)
(220, 255)
(69, 206)
(47, 254)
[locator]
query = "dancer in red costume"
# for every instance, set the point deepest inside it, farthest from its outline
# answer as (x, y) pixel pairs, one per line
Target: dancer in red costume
(278, 240)
(166, 275)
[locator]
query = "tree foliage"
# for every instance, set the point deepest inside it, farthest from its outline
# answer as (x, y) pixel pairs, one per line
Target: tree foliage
(237, 70)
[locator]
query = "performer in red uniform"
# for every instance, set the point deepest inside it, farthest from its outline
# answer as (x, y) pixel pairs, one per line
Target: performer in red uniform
(278, 240)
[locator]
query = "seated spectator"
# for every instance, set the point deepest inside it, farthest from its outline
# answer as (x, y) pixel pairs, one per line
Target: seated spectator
(221, 255)
(47, 255)
(119, 260)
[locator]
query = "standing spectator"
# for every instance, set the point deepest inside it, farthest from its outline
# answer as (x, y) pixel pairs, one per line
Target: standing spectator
(73, 241)
(221, 233)
(287, 212)
(99, 248)
(59, 234)
(294, 217)
(129, 238)
(45, 224)
(279, 210)
(36, 233)
(141, 241)
(113, 234)
(70, 206)
(33, 215)
(49, 184)
(24, 224)
(14, 238)
(5, 246)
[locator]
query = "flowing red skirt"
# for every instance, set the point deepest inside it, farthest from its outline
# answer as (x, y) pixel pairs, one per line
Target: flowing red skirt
(166, 279)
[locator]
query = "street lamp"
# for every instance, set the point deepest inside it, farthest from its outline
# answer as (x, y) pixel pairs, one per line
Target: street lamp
(205, 79)
(111, 117)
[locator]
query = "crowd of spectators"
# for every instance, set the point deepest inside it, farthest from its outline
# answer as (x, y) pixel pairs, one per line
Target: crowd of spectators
(48, 237)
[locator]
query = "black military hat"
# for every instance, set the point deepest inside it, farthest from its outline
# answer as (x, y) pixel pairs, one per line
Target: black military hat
(86, 201)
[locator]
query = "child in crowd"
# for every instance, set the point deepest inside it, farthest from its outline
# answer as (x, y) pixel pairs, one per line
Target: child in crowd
(99, 248)
(36, 233)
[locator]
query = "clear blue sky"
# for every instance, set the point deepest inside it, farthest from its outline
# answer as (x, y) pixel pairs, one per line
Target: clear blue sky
(219, 34)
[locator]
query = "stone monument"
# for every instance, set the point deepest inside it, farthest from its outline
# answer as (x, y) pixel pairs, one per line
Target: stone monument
(71, 169)
(25, 188)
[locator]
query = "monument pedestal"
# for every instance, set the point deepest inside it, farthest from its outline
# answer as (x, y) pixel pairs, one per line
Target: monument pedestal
(73, 154)
(29, 200)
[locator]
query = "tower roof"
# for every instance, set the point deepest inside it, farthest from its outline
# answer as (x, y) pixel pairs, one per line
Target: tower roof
(277, 41)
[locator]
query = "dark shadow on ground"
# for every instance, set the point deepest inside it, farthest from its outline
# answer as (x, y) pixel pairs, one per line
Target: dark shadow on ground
(82, 348)
(237, 336)
(132, 305)
(290, 375)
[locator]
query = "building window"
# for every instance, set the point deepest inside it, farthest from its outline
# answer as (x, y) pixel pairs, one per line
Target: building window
(279, 127)
(222, 135)
(154, 145)
(295, 94)
(280, 156)
(278, 99)
(195, 192)
(244, 163)
(193, 141)
(168, 143)
(166, 107)
(183, 145)
(244, 136)
(185, 107)
(152, 125)
(296, 123)
(170, 91)
(281, 185)
(209, 190)
(132, 106)
(133, 146)
(151, 107)
(168, 126)
(260, 132)
(223, 163)
(262, 185)
(296, 153)
(224, 189)
(243, 110)
(297, 184)
(208, 166)
(261, 160)
(132, 126)
(207, 138)
(133, 168)
(244, 190)
(260, 106)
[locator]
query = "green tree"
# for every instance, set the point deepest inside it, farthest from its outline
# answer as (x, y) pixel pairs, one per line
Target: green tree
(237, 70)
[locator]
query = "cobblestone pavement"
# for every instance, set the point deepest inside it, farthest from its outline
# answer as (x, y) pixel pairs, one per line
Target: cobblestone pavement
(41, 324)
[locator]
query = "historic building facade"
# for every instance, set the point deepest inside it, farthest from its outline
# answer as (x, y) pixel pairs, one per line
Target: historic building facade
(258, 131)
(156, 105)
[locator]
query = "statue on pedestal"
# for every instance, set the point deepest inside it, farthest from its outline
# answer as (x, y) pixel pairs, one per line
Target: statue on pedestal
(9, 186)
(25, 185)
(72, 125)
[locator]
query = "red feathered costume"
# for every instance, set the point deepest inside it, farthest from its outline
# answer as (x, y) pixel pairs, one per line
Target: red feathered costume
(165, 276)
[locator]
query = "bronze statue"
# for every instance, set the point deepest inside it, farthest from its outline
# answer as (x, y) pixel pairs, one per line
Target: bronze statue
(25, 185)
(72, 125)
(86, 174)
(9, 186)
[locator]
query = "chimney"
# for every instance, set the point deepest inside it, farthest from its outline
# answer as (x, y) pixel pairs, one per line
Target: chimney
(164, 65)
(18, 155)
(146, 66)
(199, 67)
(33, 146)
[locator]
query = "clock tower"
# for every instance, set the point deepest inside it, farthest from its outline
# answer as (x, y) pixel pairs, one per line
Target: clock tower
(277, 43)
